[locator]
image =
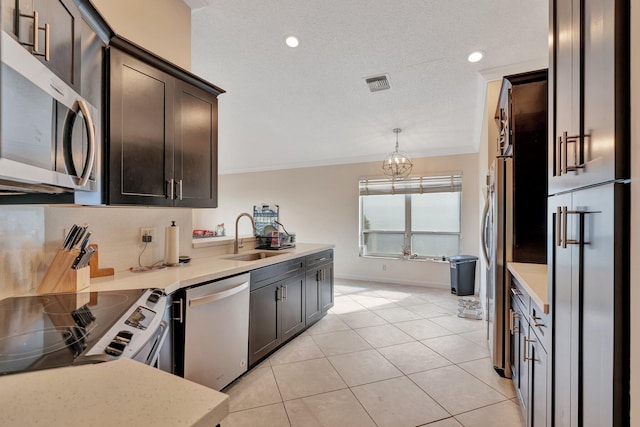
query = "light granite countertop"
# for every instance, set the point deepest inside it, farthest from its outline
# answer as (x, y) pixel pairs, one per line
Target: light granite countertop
(199, 270)
(122, 392)
(127, 392)
(533, 277)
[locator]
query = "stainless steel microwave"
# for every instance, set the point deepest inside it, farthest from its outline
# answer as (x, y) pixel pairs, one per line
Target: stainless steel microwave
(49, 134)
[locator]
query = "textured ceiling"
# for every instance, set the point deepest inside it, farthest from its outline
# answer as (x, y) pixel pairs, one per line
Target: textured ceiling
(310, 106)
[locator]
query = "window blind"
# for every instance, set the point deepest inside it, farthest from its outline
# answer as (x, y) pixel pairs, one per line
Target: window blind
(411, 185)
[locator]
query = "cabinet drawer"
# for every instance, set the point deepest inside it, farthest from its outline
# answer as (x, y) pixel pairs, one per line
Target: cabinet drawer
(263, 276)
(520, 295)
(540, 325)
(319, 258)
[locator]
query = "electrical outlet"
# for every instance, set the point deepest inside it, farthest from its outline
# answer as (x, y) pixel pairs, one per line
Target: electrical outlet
(147, 234)
(384, 267)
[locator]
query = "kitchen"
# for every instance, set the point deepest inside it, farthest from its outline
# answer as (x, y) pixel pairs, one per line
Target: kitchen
(116, 230)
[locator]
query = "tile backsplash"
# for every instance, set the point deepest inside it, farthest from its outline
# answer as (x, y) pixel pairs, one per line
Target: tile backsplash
(30, 236)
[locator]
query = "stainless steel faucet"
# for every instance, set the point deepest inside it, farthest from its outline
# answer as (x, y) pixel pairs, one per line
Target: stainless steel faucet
(253, 224)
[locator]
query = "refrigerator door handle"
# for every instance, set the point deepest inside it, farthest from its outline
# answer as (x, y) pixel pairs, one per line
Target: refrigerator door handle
(483, 236)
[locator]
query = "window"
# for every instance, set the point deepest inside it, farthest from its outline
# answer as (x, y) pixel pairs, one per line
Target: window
(418, 216)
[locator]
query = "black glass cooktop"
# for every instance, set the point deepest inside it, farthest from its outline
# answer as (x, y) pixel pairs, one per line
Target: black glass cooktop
(54, 330)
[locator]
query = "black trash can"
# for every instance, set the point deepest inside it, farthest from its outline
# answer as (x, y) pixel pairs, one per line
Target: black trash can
(463, 274)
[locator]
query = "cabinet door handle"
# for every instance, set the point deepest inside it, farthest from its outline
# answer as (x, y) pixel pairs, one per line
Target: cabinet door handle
(525, 341)
(511, 320)
(285, 292)
(564, 227)
(558, 156)
(563, 152)
(516, 292)
(179, 189)
(47, 32)
(170, 189)
(561, 236)
(558, 226)
(180, 317)
(36, 28)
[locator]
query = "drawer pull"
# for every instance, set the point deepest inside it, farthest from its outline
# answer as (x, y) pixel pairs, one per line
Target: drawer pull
(534, 321)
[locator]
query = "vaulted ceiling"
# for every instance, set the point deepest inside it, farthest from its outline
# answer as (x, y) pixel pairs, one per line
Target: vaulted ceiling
(311, 106)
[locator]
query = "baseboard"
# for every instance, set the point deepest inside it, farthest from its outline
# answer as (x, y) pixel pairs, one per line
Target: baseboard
(393, 281)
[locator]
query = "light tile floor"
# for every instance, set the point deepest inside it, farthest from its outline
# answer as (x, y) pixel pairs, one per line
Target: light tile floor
(385, 355)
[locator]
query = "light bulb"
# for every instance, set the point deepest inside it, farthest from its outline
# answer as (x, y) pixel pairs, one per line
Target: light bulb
(292, 41)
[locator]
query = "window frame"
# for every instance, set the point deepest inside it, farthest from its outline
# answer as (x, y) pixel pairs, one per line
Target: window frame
(396, 187)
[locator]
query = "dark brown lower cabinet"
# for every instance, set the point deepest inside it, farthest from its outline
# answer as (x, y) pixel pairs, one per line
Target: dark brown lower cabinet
(285, 299)
(276, 307)
(530, 361)
(319, 285)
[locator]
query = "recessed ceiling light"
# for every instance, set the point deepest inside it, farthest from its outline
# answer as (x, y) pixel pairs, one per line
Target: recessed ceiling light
(475, 56)
(291, 41)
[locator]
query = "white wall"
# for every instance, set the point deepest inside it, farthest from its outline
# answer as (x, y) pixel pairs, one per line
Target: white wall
(320, 205)
(160, 26)
(635, 213)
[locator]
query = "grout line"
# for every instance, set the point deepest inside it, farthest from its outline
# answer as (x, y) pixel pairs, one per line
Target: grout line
(401, 373)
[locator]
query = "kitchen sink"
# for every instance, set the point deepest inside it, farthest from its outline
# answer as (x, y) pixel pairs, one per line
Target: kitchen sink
(253, 256)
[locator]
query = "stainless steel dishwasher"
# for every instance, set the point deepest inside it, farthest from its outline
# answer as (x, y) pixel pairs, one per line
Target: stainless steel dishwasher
(217, 332)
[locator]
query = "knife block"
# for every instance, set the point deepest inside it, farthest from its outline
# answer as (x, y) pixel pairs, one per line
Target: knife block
(60, 277)
(94, 264)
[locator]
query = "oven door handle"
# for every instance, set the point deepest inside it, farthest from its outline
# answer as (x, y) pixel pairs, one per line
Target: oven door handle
(154, 353)
(91, 135)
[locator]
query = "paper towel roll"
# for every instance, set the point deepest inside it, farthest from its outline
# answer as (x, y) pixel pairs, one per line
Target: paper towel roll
(171, 243)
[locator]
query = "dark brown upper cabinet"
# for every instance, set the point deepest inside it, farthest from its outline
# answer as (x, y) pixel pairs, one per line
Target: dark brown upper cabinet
(589, 93)
(162, 132)
(50, 30)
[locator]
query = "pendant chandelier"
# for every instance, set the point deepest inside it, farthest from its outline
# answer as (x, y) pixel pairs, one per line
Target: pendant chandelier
(397, 165)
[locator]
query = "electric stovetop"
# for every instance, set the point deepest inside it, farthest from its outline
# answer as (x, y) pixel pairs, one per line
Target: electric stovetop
(53, 330)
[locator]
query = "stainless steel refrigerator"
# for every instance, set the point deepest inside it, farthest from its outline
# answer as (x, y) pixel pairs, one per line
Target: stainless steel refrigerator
(514, 225)
(496, 239)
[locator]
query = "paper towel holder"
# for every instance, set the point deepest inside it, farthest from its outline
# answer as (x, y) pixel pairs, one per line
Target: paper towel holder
(171, 245)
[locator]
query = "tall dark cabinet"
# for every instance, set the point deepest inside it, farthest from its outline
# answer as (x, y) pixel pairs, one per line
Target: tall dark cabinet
(521, 116)
(162, 133)
(588, 243)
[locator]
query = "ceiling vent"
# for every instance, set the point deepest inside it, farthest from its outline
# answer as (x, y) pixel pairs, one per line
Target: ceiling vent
(378, 83)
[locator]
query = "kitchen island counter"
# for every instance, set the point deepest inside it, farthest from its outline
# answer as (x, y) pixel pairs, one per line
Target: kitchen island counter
(122, 392)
